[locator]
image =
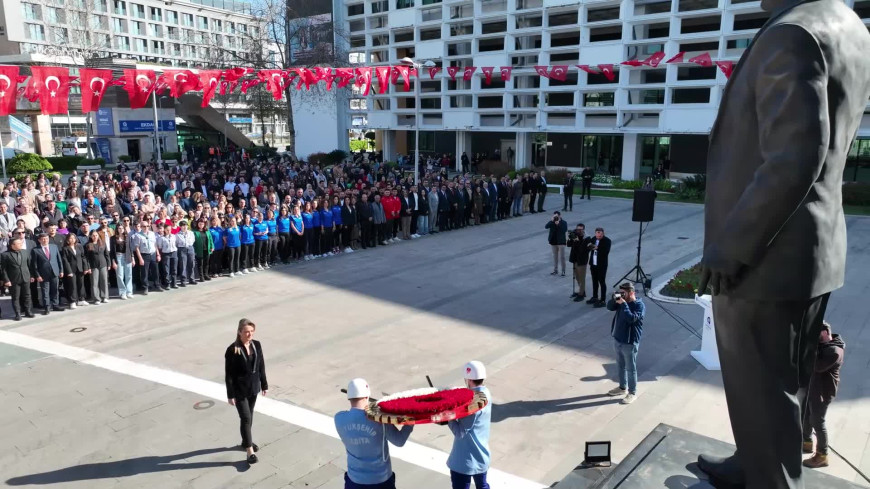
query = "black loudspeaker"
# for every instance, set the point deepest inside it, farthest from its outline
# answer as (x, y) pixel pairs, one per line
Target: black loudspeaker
(644, 206)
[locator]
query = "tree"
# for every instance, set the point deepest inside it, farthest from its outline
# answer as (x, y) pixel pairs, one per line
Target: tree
(292, 34)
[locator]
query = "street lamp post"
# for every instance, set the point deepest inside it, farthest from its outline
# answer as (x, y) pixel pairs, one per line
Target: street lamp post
(417, 89)
(156, 127)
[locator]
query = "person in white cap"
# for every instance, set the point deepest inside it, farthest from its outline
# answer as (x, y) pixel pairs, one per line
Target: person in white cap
(469, 458)
(368, 455)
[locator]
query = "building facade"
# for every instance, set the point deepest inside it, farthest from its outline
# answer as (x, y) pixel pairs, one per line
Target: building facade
(626, 126)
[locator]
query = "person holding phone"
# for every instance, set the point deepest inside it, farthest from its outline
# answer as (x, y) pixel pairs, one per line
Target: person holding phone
(557, 239)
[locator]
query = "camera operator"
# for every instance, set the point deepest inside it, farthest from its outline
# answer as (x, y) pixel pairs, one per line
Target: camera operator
(626, 329)
(579, 258)
(599, 252)
(557, 228)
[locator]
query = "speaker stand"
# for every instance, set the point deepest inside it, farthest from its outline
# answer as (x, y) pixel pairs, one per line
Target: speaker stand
(639, 275)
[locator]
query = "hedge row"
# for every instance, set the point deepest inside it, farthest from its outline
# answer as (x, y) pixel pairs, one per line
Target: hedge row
(69, 163)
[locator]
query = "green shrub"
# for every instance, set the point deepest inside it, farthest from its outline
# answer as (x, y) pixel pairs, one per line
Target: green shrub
(336, 156)
(523, 171)
(557, 177)
(603, 178)
(692, 188)
(512, 174)
(171, 155)
(320, 159)
(356, 146)
(494, 167)
(28, 163)
(49, 175)
(626, 184)
(664, 185)
(856, 193)
(125, 158)
(65, 163)
(262, 151)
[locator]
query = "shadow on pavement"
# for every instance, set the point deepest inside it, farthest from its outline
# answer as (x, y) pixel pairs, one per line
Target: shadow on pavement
(126, 468)
(526, 409)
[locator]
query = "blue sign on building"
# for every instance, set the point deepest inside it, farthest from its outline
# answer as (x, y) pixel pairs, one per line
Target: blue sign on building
(241, 120)
(104, 148)
(146, 126)
(105, 123)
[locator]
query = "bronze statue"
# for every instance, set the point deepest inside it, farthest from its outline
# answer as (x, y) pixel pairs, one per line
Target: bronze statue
(775, 233)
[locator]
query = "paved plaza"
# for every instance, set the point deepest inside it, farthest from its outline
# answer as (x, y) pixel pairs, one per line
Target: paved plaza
(136, 398)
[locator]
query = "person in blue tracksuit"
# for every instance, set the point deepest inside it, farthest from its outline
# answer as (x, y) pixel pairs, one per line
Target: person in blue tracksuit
(261, 237)
(308, 225)
(217, 259)
(366, 442)
(339, 226)
(318, 230)
(328, 227)
(470, 456)
(271, 251)
(284, 239)
(247, 236)
(233, 244)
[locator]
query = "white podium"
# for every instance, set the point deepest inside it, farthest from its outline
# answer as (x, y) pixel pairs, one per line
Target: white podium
(708, 356)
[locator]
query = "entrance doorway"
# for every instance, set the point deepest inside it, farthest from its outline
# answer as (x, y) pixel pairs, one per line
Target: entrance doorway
(133, 149)
(603, 153)
(654, 150)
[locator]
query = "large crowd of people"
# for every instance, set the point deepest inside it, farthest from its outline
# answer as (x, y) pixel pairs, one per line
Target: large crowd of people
(154, 227)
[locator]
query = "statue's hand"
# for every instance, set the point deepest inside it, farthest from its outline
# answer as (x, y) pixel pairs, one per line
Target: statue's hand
(718, 271)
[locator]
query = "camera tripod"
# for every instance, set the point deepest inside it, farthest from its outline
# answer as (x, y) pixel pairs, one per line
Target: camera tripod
(639, 275)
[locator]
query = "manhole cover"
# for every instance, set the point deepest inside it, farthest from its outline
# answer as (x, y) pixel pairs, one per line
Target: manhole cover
(77, 330)
(203, 405)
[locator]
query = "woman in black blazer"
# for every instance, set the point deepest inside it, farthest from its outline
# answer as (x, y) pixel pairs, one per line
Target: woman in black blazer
(245, 377)
(74, 266)
(99, 261)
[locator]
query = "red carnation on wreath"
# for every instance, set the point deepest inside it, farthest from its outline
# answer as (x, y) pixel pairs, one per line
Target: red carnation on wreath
(430, 405)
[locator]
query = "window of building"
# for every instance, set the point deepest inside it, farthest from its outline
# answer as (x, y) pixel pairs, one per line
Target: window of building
(599, 99)
(647, 97)
(403, 36)
(30, 11)
(231, 28)
(53, 15)
(461, 29)
(59, 35)
(187, 20)
(605, 34)
(404, 4)
(138, 10)
(565, 39)
(602, 14)
(459, 49)
(137, 28)
(141, 45)
(357, 25)
(862, 8)
(120, 7)
(750, 21)
(35, 32)
(599, 79)
(202, 22)
(100, 6)
(380, 6)
(688, 73)
(527, 42)
(119, 26)
(566, 18)
(653, 7)
(356, 10)
(172, 17)
(63, 130)
(485, 45)
(653, 76)
(155, 30)
(430, 34)
(157, 47)
(493, 27)
(431, 14)
(691, 47)
(527, 21)
(694, 25)
(98, 22)
(217, 25)
(691, 96)
(527, 4)
(738, 43)
(379, 22)
(461, 11)
(156, 14)
(689, 5)
(559, 99)
(857, 161)
(122, 43)
(492, 102)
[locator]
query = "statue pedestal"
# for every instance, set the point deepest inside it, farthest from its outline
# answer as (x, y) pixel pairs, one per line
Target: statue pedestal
(708, 355)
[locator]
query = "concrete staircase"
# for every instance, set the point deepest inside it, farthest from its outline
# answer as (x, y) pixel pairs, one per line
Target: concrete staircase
(188, 107)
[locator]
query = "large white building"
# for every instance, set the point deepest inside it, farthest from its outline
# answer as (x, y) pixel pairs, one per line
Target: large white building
(628, 125)
(145, 34)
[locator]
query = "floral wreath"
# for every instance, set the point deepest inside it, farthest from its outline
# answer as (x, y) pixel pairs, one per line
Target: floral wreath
(427, 405)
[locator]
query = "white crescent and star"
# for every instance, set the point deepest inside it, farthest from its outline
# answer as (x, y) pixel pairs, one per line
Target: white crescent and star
(8, 84)
(147, 84)
(52, 91)
(102, 84)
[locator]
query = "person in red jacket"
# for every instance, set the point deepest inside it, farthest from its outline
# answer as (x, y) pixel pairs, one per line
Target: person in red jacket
(392, 207)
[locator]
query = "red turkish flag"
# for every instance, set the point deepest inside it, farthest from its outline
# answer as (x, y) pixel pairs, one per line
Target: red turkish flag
(306, 77)
(364, 79)
(677, 58)
(246, 84)
(654, 59)
(587, 69)
(702, 60)
(632, 62)
(542, 70)
(344, 76)
(727, 67)
(383, 74)
(487, 73)
(275, 82)
(506, 73)
(559, 72)
(405, 71)
(469, 72)
(433, 71)
(181, 82)
(607, 71)
(8, 89)
(93, 83)
(54, 85)
(139, 84)
(452, 71)
(210, 80)
(231, 79)
(325, 73)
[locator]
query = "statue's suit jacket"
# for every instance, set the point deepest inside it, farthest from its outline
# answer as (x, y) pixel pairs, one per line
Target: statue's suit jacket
(778, 148)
